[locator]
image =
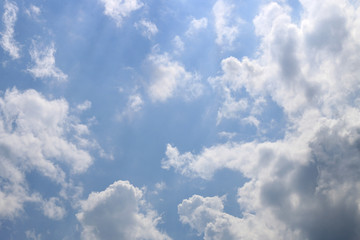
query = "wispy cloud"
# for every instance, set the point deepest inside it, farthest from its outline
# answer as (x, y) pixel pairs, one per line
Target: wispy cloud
(44, 63)
(9, 18)
(147, 28)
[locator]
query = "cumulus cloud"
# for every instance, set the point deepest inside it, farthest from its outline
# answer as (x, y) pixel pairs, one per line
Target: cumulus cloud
(38, 136)
(168, 78)
(52, 209)
(120, 9)
(147, 28)
(118, 212)
(9, 18)
(206, 215)
(226, 23)
(304, 185)
(44, 63)
(196, 25)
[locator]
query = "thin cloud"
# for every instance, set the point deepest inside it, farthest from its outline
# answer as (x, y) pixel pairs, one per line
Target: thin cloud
(9, 18)
(147, 28)
(44, 63)
(196, 25)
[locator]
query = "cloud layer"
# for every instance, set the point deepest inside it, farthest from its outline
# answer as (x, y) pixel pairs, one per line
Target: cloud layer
(304, 185)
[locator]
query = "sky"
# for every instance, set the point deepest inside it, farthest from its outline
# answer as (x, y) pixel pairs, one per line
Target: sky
(187, 119)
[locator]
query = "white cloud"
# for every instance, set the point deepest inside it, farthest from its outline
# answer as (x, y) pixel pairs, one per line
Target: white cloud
(304, 185)
(120, 9)
(33, 11)
(168, 78)
(178, 44)
(118, 212)
(52, 209)
(133, 106)
(38, 136)
(196, 25)
(147, 28)
(9, 18)
(226, 33)
(44, 63)
(31, 234)
(206, 215)
(84, 106)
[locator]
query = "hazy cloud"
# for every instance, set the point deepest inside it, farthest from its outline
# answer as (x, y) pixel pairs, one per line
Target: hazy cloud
(147, 28)
(196, 25)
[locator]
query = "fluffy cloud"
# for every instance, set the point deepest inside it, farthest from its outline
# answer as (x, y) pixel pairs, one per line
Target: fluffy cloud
(169, 78)
(38, 136)
(119, 9)
(7, 41)
(206, 215)
(52, 209)
(147, 28)
(118, 212)
(226, 33)
(44, 63)
(196, 25)
(306, 184)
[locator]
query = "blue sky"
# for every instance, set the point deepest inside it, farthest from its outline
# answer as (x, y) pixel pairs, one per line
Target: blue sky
(221, 119)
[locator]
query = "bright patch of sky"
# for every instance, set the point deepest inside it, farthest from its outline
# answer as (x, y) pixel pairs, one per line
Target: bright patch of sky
(221, 119)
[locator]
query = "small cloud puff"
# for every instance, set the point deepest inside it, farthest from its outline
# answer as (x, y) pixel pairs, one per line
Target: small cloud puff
(147, 28)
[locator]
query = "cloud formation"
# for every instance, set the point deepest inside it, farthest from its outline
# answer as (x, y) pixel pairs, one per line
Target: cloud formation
(120, 9)
(226, 23)
(196, 25)
(304, 185)
(168, 78)
(35, 137)
(147, 28)
(118, 212)
(9, 18)
(44, 63)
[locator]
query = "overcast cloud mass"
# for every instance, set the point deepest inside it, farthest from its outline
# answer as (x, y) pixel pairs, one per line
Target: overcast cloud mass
(222, 119)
